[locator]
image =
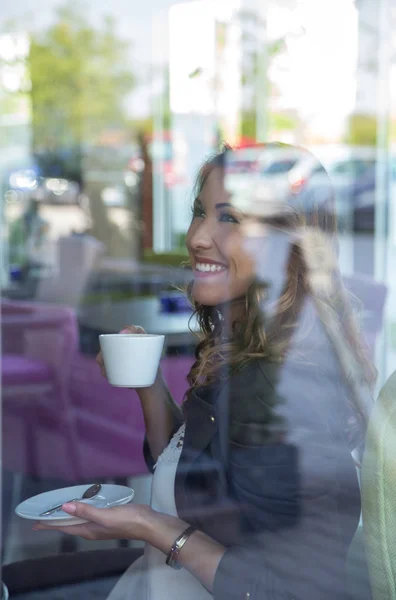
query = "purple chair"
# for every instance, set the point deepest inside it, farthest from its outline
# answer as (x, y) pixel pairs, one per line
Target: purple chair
(61, 418)
(39, 437)
(371, 295)
(109, 424)
(109, 420)
(175, 370)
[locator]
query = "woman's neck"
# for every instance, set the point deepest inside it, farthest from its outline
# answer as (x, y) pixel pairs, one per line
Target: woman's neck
(231, 312)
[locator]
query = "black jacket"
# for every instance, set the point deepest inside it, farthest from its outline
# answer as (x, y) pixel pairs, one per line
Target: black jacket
(266, 470)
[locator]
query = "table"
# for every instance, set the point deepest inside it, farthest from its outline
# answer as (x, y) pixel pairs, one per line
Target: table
(111, 317)
(77, 575)
(139, 278)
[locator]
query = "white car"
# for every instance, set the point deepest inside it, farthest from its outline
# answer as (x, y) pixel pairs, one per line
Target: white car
(261, 177)
(282, 176)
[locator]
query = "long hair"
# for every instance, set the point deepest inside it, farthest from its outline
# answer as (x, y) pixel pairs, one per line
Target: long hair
(225, 347)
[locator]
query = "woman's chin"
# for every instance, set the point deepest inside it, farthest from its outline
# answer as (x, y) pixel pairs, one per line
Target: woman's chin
(205, 296)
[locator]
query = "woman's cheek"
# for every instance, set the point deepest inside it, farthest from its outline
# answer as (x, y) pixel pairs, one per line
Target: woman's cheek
(244, 261)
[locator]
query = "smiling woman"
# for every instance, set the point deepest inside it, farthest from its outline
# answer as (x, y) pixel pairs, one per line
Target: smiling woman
(255, 473)
(223, 271)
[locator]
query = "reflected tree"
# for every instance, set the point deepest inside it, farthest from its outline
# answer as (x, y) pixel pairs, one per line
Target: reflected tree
(79, 79)
(79, 83)
(259, 54)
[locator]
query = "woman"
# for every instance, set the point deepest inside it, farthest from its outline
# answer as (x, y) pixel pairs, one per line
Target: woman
(256, 468)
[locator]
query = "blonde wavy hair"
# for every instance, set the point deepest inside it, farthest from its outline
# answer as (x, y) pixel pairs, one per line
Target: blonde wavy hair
(225, 347)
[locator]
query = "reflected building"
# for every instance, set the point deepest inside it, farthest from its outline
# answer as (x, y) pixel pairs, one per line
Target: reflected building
(15, 134)
(205, 102)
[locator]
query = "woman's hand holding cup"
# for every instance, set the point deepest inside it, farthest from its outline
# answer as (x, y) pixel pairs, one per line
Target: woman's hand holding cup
(127, 329)
(130, 358)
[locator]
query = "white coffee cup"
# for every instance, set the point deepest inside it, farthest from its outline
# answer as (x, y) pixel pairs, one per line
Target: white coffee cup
(131, 359)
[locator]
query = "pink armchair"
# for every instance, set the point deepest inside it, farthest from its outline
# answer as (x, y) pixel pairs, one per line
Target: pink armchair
(39, 343)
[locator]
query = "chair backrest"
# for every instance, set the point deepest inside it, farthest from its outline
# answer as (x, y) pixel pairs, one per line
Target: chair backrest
(371, 295)
(39, 435)
(378, 482)
(175, 370)
(77, 257)
(110, 420)
(10, 307)
(81, 251)
(42, 332)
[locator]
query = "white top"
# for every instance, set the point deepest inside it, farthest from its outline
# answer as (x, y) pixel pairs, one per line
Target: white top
(149, 578)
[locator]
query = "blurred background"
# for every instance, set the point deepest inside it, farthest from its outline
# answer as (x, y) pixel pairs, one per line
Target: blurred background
(106, 113)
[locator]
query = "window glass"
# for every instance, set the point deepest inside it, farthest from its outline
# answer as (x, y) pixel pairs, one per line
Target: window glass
(109, 116)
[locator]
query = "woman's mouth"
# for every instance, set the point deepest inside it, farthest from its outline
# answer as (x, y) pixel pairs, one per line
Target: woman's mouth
(208, 269)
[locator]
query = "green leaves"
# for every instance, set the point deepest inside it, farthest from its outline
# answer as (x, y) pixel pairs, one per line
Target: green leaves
(80, 78)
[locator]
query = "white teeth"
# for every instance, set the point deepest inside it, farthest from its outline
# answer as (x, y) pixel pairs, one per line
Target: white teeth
(206, 267)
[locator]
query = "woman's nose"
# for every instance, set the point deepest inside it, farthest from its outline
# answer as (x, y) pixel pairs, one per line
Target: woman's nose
(202, 236)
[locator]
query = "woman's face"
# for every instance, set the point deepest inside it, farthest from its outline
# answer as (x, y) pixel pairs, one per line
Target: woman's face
(222, 269)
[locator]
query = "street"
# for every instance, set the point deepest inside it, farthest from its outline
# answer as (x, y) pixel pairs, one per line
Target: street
(63, 219)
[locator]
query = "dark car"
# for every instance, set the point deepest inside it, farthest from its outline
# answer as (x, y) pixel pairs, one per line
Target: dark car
(51, 177)
(366, 194)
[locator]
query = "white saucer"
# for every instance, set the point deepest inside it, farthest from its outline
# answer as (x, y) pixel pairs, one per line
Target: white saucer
(110, 495)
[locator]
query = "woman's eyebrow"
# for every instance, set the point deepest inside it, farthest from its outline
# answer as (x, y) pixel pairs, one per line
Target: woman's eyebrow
(223, 205)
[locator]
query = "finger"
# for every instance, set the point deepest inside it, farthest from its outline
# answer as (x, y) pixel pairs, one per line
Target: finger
(42, 527)
(86, 512)
(132, 329)
(69, 529)
(88, 531)
(100, 362)
(102, 369)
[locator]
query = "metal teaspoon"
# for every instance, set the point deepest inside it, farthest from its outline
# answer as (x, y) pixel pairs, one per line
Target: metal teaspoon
(89, 493)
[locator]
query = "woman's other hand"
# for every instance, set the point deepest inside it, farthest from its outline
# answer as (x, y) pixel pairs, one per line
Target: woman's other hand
(119, 522)
(201, 555)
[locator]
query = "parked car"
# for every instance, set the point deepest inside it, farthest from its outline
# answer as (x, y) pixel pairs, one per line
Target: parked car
(365, 199)
(283, 175)
(352, 174)
(50, 177)
(48, 190)
(259, 175)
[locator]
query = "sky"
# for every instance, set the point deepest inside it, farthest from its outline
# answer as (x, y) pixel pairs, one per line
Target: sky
(135, 19)
(134, 16)
(320, 72)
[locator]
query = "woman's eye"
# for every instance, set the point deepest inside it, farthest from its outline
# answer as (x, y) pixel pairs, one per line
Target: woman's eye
(198, 212)
(228, 218)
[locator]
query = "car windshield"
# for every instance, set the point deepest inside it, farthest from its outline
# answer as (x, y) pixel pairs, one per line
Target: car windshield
(278, 167)
(350, 167)
(244, 160)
